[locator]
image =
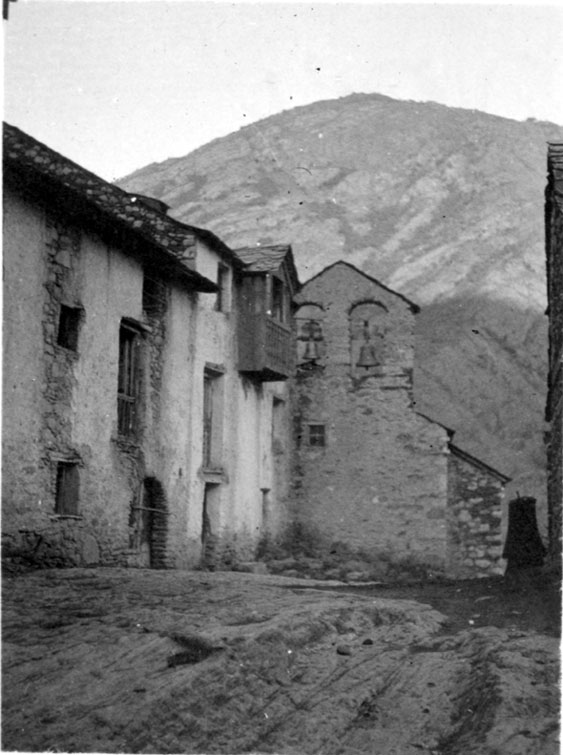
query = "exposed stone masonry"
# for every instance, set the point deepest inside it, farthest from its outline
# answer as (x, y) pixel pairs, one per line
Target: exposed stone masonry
(386, 481)
(50, 537)
(474, 519)
(554, 406)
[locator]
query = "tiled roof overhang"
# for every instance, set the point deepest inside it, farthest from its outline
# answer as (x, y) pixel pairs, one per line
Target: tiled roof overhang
(108, 211)
(268, 259)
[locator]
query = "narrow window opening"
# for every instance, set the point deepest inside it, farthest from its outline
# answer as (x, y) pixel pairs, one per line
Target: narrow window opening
(207, 418)
(278, 406)
(128, 381)
(69, 325)
(317, 435)
(212, 419)
(278, 300)
(153, 295)
(222, 303)
(67, 489)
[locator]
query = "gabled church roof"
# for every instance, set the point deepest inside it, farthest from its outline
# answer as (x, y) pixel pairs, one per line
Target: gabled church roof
(414, 307)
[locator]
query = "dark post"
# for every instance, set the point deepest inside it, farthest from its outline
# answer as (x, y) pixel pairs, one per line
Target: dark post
(523, 548)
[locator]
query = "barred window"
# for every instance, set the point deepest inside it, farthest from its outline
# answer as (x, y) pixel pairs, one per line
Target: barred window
(154, 295)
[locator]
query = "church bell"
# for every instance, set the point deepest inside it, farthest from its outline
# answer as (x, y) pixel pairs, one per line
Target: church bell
(311, 353)
(367, 357)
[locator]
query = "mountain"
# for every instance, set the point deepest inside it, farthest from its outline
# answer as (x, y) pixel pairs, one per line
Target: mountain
(443, 205)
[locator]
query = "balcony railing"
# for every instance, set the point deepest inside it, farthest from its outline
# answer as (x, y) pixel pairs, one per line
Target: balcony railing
(265, 347)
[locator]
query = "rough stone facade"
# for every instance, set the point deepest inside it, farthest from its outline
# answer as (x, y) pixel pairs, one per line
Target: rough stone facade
(475, 494)
(110, 334)
(554, 406)
(370, 471)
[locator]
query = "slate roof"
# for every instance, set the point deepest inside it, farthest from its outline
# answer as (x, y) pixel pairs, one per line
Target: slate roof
(267, 259)
(41, 170)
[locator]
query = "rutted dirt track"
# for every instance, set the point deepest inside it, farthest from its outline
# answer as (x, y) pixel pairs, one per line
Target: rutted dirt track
(114, 660)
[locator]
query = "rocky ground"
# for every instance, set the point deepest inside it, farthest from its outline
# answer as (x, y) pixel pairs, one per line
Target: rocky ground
(140, 661)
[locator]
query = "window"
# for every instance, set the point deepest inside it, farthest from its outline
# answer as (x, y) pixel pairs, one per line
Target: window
(278, 300)
(317, 435)
(66, 495)
(128, 380)
(69, 324)
(212, 418)
(154, 295)
(222, 303)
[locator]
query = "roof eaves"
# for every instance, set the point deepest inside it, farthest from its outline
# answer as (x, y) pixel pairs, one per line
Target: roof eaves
(478, 463)
(450, 432)
(44, 167)
(214, 242)
(159, 229)
(284, 254)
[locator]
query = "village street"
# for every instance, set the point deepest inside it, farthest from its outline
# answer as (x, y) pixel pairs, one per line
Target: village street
(116, 660)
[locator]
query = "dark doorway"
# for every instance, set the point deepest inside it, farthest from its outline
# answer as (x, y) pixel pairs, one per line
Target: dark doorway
(209, 525)
(148, 525)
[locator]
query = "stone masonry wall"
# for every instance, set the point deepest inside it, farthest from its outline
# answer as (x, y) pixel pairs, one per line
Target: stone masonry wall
(60, 398)
(554, 250)
(38, 395)
(474, 520)
(379, 483)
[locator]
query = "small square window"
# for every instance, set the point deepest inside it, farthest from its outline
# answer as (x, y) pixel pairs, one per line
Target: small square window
(67, 490)
(69, 325)
(317, 435)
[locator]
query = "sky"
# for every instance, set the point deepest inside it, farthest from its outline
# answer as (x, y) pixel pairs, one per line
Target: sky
(119, 84)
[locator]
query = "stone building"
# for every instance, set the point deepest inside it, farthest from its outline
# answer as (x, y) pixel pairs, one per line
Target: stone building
(371, 472)
(137, 427)
(147, 419)
(554, 405)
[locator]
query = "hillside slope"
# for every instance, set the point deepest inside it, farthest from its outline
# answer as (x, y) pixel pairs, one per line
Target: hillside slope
(444, 205)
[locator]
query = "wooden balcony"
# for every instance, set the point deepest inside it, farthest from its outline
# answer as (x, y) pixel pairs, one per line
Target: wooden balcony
(265, 347)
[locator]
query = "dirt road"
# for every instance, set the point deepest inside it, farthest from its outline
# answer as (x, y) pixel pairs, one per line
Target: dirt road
(111, 660)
